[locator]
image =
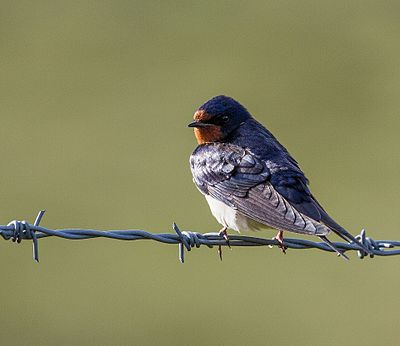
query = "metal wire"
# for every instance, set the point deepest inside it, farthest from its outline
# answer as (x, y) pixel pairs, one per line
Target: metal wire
(22, 230)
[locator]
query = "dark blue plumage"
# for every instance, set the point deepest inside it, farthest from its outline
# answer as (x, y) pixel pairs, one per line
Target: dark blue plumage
(221, 105)
(246, 168)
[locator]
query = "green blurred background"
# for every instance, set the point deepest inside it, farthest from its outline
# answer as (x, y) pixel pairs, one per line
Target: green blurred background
(95, 97)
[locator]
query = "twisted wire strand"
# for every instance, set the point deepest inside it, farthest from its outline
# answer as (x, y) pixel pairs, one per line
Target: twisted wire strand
(22, 230)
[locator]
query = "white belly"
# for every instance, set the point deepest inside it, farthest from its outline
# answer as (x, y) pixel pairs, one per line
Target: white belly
(231, 218)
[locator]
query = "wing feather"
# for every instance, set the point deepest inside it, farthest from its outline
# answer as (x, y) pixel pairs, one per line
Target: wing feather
(238, 178)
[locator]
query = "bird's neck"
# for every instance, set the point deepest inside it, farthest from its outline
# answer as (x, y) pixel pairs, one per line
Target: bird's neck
(208, 134)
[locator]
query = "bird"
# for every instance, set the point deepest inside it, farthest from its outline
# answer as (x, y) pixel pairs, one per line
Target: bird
(250, 180)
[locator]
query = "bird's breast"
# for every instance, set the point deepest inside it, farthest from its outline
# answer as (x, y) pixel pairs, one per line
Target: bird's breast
(230, 217)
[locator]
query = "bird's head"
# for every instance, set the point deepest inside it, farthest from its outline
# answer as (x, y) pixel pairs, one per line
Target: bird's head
(217, 119)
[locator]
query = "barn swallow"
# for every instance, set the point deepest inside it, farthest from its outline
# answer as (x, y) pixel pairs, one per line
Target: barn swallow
(250, 180)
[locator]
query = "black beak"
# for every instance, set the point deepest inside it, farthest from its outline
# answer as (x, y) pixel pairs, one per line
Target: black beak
(198, 124)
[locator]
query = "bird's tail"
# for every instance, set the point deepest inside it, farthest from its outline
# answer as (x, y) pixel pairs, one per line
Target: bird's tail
(339, 230)
(333, 247)
(342, 233)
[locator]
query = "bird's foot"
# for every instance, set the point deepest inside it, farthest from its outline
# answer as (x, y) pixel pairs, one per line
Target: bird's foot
(224, 234)
(279, 238)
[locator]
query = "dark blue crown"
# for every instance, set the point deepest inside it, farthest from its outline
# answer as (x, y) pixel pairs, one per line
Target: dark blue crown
(224, 105)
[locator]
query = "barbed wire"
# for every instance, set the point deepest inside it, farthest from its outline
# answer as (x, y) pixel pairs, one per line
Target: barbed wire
(22, 230)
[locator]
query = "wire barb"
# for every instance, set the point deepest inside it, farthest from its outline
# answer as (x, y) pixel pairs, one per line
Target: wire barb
(19, 230)
(186, 240)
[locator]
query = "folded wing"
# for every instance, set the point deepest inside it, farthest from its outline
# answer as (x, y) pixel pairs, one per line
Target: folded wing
(241, 180)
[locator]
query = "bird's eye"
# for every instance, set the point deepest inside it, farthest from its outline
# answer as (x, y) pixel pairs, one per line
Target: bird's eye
(224, 118)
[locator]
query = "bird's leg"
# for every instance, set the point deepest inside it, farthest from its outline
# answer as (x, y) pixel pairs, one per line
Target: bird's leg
(223, 233)
(279, 238)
